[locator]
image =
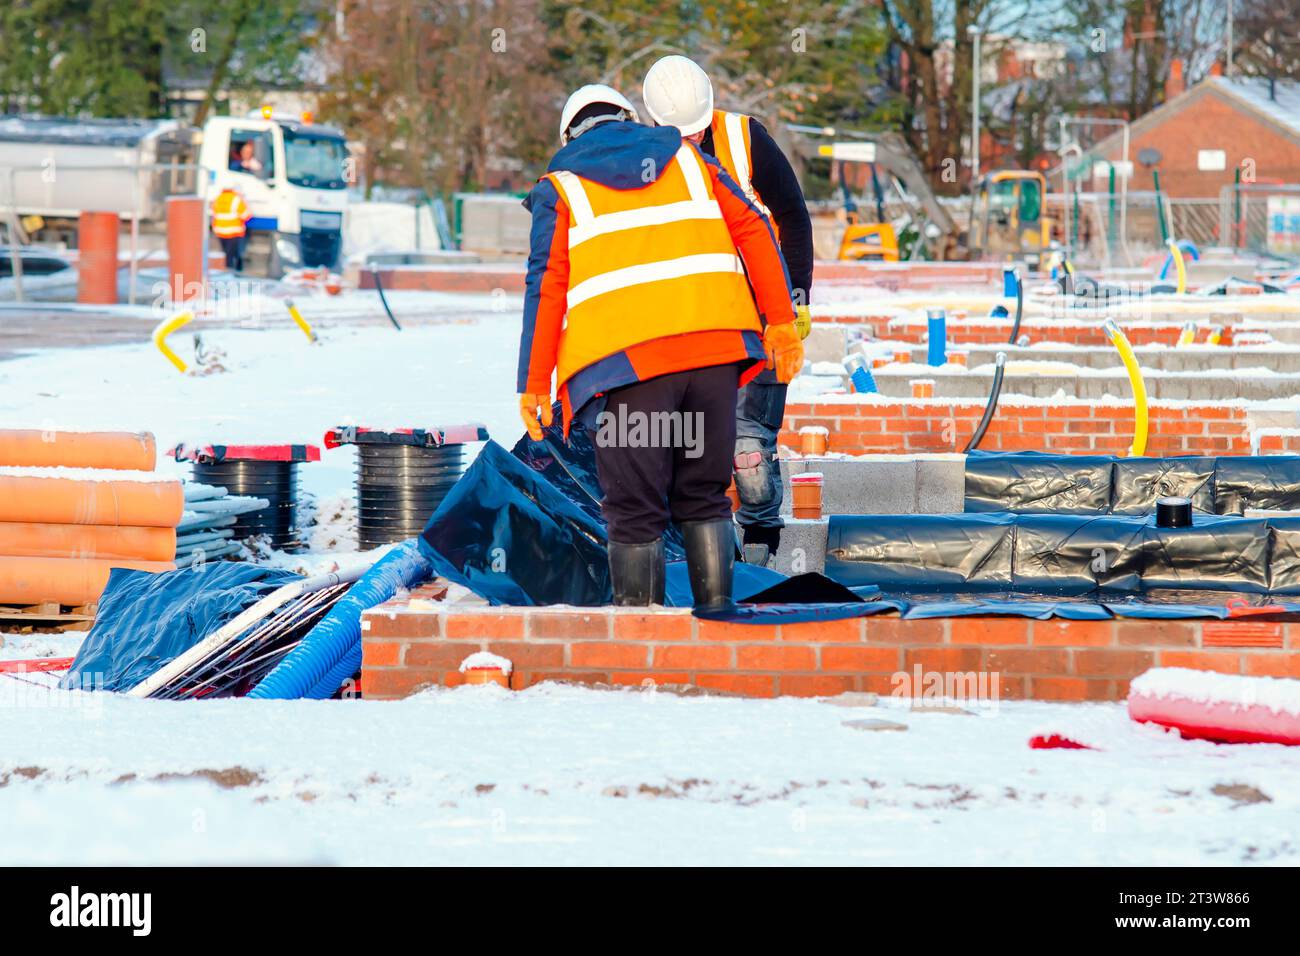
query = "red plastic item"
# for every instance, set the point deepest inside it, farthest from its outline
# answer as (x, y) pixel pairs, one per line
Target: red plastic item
(1056, 742)
(1221, 722)
(1240, 607)
(37, 665)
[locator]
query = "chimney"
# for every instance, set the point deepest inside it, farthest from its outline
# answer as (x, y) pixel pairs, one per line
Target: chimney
(1216, 68)
(1174, 85)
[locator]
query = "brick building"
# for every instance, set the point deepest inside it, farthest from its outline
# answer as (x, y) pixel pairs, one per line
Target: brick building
(1205, 133)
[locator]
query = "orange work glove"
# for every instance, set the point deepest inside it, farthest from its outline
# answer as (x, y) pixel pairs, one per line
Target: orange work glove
(784, 350)
(532, 407)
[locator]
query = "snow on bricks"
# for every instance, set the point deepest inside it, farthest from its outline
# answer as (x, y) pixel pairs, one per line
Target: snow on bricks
(862, 425)
(408, 648)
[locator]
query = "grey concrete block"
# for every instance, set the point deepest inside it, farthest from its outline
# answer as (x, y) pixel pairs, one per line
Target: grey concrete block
(826, 343)
(881, 484)
(940, 484)
(803, 546)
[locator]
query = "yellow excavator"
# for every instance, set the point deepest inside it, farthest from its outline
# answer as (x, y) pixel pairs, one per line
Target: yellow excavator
(1006, 216)
(1006, 207)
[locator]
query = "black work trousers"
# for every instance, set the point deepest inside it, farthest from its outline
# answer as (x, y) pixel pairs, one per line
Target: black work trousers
(664, 449)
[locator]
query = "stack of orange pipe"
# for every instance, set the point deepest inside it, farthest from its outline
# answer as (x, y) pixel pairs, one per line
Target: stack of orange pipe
(60, 537)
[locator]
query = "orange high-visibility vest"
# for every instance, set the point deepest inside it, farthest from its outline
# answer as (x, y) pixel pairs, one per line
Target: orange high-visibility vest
(648, 263)
(732, 149)
(229, 215)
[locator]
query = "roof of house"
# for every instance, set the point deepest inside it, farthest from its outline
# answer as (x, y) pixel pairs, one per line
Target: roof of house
(1277, 105)
(1278, 100)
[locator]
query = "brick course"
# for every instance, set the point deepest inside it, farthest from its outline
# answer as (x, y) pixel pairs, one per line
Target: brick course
(404, 650)
(1072, 426)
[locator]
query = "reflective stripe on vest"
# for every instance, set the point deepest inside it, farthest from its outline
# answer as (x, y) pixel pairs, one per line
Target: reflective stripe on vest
(227, 216)
(648, 263)
(731, 144)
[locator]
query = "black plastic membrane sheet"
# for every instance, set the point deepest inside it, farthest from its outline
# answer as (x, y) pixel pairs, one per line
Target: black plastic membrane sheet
(1024, 482)
(1115, 557)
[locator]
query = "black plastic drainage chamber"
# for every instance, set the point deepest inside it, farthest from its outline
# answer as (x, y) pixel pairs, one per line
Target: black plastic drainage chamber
(274, 481)
(400, 486)
(402, 476)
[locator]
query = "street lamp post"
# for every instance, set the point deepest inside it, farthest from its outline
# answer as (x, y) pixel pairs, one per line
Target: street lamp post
(974, 31)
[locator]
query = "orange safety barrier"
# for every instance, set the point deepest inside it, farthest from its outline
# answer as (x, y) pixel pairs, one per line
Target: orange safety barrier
(33, 540)
(147, 504)
(119, 450)
(63, 580)
(97, 258)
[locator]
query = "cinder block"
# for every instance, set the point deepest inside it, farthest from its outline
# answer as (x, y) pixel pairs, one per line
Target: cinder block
(803, 540)
(883, 484)
(940, 484)
(826, 343)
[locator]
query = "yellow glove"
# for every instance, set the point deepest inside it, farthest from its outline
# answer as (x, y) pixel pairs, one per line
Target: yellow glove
(784, 350)
(530, 405)
(802, 320)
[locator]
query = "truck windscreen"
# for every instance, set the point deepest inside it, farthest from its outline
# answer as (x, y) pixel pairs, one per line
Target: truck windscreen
(316, 162)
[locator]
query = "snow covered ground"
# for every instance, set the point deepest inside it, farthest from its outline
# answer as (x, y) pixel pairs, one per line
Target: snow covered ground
(277, 387)
(552, 775)
(564, 775)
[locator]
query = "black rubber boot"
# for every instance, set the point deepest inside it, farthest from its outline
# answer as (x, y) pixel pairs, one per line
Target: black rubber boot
(710, 560)
(637, 573)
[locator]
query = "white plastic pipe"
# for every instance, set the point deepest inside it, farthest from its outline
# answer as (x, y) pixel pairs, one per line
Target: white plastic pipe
(238, 625)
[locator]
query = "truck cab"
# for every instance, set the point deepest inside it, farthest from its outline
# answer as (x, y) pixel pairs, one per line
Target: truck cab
(292, 174)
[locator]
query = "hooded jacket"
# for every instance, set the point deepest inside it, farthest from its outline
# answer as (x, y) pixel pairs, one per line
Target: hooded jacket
(616, 155)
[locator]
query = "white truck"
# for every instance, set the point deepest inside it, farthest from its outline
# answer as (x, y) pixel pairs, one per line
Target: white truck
(292, 173)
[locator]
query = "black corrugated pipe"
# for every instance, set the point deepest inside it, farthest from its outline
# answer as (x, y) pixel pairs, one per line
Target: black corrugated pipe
(275, 481)
(399, 486)
(1001, 362)
(379, 286)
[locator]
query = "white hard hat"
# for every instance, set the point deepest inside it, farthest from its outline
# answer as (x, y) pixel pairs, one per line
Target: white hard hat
(585, 96)
(678, 93)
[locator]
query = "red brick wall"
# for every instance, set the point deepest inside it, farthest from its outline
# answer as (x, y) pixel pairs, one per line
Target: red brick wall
(895, 426)
(993, 332)
(1208, 121)
(1278, 441)
(406, 649)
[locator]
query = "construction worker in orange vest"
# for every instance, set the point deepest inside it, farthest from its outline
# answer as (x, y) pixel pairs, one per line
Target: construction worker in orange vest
(655, 289)
(230, 215)
(678, 93)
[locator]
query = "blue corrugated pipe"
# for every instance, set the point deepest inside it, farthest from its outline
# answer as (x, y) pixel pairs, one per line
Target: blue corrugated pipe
(331, 651)
(863, 381)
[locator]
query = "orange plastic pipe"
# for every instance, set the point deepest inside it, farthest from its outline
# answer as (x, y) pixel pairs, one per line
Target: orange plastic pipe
(62, 580)
(147, 504)
(121, 450)
(26, 539)
(97, 258)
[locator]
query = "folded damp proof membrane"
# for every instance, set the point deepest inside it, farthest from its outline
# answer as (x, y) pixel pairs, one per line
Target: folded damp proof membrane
(1036, 482)
(1110, 557)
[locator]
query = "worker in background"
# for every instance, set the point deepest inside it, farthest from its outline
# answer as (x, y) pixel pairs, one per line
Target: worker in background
(230, 215)
(677, 92)
(636, 299)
